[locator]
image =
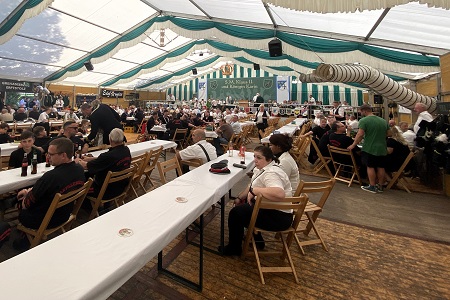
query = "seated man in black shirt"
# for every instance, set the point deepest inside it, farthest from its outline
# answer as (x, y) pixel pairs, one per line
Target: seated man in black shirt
(4, 135)
(26, 146)
(117, 158)
(340, 139)
(70, 130)
(65, 177)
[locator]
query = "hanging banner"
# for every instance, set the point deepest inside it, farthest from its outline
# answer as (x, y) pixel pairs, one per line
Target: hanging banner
(202, 89)
(242, 88)
(283, 88)
(7, 85)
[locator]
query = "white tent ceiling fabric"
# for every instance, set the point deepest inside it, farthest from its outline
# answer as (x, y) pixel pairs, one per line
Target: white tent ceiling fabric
(327, 6)
(55, 34)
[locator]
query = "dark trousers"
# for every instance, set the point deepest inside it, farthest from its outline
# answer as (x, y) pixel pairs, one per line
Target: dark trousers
(268, 219)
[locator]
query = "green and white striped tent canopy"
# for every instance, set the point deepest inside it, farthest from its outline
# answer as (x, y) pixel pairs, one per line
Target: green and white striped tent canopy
(153, 45)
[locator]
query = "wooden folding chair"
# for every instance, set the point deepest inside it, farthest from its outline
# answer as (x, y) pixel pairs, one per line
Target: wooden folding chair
(297, 204)
(35, 236)
(167, 166)
(397, 176)
(194, 162)
(179, 136)
(312, 210)
(111, 178)
(141, 125)
(141, 161)
(151, 165)
(299, 152)
(344, 163)
(323, 161)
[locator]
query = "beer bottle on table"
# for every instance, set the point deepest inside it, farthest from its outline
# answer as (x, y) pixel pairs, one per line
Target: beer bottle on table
(79, 151)
(34, 163)
(24, 165)
(242, 154)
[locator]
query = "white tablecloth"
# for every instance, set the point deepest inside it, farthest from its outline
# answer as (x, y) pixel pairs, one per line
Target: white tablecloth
(139, 148)
(158, 128)
(7, 148)
(11, 179)
(92, 261)
(288, 129)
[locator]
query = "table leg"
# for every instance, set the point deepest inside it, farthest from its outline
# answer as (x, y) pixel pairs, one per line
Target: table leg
(196, 286)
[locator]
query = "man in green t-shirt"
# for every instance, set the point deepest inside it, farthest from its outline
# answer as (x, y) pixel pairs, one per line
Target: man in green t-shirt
(374, 130)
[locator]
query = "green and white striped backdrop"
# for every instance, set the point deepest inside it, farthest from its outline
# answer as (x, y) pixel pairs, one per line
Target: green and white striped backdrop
(300, 92)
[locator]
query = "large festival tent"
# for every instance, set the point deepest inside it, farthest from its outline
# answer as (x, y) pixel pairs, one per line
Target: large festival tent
(154, 45)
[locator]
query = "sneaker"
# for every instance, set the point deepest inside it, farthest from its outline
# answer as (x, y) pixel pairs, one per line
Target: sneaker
(380, 188)
(370, 188)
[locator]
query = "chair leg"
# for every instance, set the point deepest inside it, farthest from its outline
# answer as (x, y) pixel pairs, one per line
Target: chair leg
(298, 244)
(288, 253)
(258, 261)
(311, 221)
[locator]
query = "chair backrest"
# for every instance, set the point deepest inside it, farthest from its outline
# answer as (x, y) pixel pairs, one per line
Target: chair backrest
(112, 177)
(60, 200)
(4, 162)
(153, 158)
(322, 187)
(324, 160)
(194, 162)
(141, 162)
(179, 135)
(166, 166)
(342, 156)
(236, 139)
(296, 204)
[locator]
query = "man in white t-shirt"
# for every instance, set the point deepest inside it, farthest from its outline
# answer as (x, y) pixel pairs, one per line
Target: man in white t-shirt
(196, 151)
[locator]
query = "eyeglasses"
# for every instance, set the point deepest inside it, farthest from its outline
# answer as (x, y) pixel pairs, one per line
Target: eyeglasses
(52, 154)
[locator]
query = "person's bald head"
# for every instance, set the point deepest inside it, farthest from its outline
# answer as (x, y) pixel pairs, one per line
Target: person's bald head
(198, 135)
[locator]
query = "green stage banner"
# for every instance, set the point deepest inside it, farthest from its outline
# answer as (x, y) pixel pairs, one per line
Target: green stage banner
(242, 88)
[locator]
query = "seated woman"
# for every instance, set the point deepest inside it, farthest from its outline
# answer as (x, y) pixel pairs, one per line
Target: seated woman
(280, 145)
(398, 150)
(270, 181)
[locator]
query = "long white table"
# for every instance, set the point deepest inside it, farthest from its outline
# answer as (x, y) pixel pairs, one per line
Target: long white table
(93, 260)
(8, 148)
(288, 129)
(11, 179)
(139, 148)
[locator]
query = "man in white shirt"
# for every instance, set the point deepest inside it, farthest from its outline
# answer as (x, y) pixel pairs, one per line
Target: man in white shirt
(312, 100)
(196, 151)
(338, 111)
(237, 128)
(424, 115)
(353, 123)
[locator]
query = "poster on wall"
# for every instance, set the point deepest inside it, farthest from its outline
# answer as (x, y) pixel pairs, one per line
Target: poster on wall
(242, 88)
